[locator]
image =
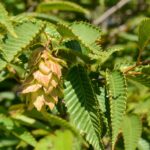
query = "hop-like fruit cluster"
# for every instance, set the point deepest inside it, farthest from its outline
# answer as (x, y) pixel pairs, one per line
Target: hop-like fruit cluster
(43, 86)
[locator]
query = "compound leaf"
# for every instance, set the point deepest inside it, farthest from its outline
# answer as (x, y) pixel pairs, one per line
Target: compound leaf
(83, 106)
(11, 46)
(117, 96)
(80, 31)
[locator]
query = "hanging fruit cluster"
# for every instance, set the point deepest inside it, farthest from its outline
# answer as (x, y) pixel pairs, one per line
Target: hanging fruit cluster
(43, 86)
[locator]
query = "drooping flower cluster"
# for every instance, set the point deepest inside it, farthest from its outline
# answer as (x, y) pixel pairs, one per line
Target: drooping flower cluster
(42, 87)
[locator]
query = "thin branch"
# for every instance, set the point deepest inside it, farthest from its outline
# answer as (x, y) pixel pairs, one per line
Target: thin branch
(146, 62)
(110, 11)
(139, 56)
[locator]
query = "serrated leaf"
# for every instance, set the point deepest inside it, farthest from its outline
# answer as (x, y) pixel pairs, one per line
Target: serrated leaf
(144, 33)
(116, 85)
(80, 31)
(101, 99)
(131, 129)
(83, 30)
(26, 32)
(60, 5)
(65, 31)
(102, 56)
(83, 106)
(5, 21)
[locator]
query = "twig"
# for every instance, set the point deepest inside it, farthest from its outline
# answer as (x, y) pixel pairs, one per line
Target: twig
(32, 7)
(110, 11)
(146, 62)
(139, 56)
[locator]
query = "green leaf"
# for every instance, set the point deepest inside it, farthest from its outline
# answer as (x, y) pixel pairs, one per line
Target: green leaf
(6, 142)
(65, 31)
(146, 69)
(142, 78)
(116, 85)
(6, 123)
(45, 17)
(144, 33)
(83, 106)
(26, 32)
(24, 135)
(102, 99)
(83, 30)
(3, 74)
(7, 96)
(60, 140)
(102, 56)
(25, 120)
(60, 5)
(57, 121)
(148, 118)
(143, 144)
(132, 129)
(143, 107)
(5, 21)
(80, 31)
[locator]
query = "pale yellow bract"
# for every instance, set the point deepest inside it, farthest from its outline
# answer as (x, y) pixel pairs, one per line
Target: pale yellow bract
(42, 87)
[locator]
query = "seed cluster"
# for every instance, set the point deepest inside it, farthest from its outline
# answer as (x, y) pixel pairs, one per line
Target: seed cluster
(42, 87)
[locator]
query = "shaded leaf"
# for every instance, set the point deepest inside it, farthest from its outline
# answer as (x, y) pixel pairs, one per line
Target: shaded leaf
(83, 106)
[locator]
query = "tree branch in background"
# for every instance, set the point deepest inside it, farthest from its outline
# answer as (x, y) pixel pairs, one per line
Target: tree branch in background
(110, 11)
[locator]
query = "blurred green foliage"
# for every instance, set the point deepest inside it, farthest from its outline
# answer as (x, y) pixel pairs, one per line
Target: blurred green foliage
(119, 29)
